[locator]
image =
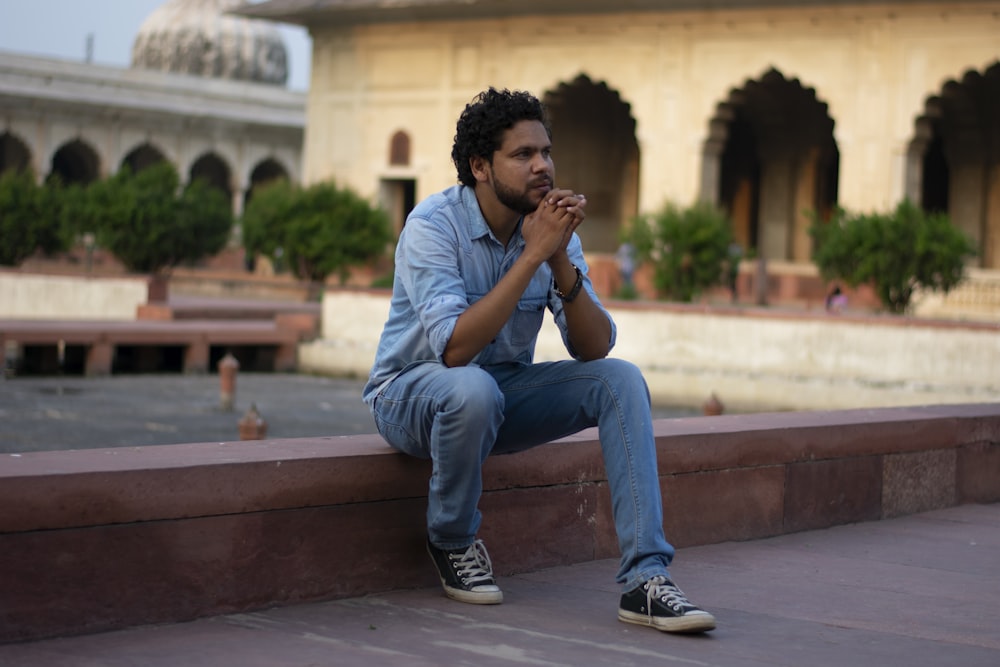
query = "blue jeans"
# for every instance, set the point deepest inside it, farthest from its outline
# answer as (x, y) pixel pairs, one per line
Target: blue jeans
(458, 416)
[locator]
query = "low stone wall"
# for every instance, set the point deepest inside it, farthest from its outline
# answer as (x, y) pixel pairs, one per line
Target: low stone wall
(62, 297)
(94, 540)
(752, 358)
(977, 298)
(233, 285)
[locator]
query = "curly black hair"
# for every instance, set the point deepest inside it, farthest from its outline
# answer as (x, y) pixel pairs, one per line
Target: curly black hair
(482, 123)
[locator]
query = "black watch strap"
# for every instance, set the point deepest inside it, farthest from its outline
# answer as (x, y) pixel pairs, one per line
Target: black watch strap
(576, 286)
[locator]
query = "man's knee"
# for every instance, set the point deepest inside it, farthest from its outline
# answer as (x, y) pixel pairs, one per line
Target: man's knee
(623, 376)
(473, 392)
(621, 369)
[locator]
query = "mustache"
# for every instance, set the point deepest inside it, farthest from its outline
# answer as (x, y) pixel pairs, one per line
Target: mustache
(545, 180)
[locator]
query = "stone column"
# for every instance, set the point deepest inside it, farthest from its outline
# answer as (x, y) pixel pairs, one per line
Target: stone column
(804, 205)
(776, 199)
(991, 227)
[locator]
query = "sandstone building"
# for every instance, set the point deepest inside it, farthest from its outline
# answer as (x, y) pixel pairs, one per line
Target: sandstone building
(770, 108)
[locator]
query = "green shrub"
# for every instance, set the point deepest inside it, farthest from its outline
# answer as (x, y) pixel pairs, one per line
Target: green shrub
(895, 253)
(145, 221)
(265, 215)
(688, 247)
(31, 218)
(203, 223)
(319, 231)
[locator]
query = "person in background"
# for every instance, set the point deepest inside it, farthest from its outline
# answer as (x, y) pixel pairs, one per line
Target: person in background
(836, 300)
(454, 381)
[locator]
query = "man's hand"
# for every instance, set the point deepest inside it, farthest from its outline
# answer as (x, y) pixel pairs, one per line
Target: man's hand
(574, 205)
(549, 228)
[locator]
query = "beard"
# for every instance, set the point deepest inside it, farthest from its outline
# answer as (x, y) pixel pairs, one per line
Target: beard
(519, 202)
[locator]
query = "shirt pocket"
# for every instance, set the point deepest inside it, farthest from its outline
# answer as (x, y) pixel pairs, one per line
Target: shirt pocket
(527, 320)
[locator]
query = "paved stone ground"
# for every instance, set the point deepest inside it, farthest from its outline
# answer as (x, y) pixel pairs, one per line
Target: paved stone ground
(46, 413)
(917, 591)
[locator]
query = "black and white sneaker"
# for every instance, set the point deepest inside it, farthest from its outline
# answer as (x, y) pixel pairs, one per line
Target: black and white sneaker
(466, 574)
(660, 604)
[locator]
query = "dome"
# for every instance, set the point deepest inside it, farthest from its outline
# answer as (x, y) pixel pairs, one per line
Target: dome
(197, 37)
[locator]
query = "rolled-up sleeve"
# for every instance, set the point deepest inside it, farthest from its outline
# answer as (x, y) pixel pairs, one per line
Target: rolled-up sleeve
(433, 280)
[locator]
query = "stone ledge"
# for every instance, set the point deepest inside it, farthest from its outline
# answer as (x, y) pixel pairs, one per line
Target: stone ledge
(99, 340)
(104, 539)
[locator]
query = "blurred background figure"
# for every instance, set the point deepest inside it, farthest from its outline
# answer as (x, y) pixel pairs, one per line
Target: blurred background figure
(836, 300)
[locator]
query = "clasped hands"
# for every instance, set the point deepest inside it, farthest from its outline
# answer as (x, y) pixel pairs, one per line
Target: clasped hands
(548, 229)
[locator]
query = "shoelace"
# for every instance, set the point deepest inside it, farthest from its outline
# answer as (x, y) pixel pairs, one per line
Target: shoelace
(474, 565)
(662, 589)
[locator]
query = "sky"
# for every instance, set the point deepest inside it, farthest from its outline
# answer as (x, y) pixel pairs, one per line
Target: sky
(59, 29)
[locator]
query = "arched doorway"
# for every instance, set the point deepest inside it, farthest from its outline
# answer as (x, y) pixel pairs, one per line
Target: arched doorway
(265, 172)
(142, 157)
(75, 163)
(771, 162)
(596, 153)
(953, 164)
(13, 153)
(213, 170)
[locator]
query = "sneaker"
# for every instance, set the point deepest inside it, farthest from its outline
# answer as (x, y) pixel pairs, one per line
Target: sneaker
(466, 574)
(660, 604)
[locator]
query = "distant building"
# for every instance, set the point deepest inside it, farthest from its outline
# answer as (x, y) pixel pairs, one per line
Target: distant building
(205, 92)
(771, 109)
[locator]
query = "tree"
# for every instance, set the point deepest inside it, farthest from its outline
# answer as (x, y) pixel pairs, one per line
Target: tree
(203, 223)
(265, 217)
(896, 253)
(321, 230)
(689, 248)
(31, 218)
(150, 225)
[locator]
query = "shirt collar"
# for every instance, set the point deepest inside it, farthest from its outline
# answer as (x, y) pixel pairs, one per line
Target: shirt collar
(477, 223)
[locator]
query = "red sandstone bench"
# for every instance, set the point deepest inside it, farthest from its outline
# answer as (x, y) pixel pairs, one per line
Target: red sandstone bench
(99, 339)
(92, 540)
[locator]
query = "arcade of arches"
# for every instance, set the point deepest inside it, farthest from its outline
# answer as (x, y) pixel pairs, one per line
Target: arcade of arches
(76, 162)
(771, 160)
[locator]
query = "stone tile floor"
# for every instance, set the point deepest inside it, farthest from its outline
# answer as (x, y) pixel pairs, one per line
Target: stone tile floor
(921, 590)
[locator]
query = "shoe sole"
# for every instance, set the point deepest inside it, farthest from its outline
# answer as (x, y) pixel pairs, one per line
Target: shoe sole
(473, 597)
(468, 597)
(682, 624)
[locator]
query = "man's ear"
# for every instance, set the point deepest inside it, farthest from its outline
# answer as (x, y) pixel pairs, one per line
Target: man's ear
(481, 168)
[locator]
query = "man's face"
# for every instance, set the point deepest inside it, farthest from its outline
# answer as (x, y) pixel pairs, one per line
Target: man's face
(522, 170)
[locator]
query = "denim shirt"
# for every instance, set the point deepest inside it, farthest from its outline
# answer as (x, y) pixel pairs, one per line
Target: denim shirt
(447, 259)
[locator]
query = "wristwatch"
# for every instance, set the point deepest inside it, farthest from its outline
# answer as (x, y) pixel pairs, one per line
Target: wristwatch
(576, 286)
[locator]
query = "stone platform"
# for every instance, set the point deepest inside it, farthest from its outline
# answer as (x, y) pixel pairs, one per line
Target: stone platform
(103, 539)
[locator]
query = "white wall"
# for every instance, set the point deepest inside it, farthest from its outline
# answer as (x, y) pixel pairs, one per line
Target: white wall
(41, 297)
(767, 361)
